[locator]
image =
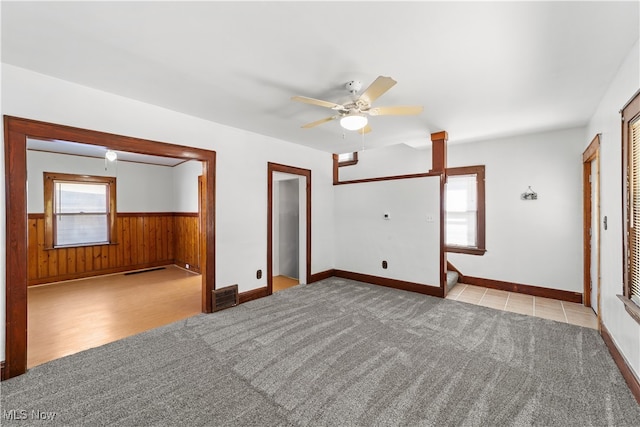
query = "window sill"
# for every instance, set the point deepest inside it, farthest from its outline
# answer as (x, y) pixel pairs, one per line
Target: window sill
(88, 245)
(465, 250)
(631, 307)
(347, 163)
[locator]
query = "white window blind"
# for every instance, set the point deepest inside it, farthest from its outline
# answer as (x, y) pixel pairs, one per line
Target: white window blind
(634, 223)
(81, 213)
(461, 211)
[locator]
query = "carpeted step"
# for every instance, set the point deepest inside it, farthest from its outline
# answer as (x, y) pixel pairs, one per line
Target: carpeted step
(452, 279)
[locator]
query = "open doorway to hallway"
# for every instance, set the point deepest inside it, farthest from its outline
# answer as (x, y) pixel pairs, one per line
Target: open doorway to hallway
(286, 231)
(289, 227)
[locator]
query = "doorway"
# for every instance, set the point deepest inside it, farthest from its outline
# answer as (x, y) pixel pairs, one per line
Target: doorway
(17, 131)
(286, 230)
(289, 227)
(591, 233)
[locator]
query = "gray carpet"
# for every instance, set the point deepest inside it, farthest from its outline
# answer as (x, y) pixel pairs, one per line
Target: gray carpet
(335, 353)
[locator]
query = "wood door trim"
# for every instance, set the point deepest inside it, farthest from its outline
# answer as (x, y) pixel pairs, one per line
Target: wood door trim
(292, 170)
(590, 154)
(16, 132)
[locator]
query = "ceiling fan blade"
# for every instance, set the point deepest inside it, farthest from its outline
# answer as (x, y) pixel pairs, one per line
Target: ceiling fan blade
(364, 130)
(396, 111)
(377, 88)
(319, 122)
(319, 102)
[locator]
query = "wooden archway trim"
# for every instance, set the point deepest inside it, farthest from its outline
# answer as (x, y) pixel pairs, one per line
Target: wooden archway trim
(16, 132)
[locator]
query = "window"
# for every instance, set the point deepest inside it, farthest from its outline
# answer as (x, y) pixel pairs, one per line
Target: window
(631, 162)
(464, 210)
(79, 210)
(347, 159)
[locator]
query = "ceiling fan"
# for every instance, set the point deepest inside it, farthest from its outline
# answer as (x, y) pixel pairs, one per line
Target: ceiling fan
(353, 115)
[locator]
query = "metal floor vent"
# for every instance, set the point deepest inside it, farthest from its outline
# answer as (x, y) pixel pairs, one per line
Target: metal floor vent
(225, 297)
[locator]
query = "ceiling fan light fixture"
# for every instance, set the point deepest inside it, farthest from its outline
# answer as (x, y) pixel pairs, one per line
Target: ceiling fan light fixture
(111, 155)
(353, 121)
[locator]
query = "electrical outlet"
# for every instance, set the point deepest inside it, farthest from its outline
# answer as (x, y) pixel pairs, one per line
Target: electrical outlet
(384, 265)
(187, 266)
(259, 274)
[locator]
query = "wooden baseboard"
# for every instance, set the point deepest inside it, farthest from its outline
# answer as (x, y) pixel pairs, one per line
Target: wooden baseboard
(316, 277)
(621, 362)
(2, 371)
(192, 267)
(524, 289)
(391, 283)
(106, 271)
(253, 294)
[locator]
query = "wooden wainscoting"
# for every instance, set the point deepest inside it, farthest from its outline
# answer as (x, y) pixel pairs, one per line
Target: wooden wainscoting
(142, 240)
(186, 228)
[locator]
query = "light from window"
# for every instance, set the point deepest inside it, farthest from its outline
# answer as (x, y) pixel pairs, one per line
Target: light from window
(461, 211)
(81, 213)
(346, 157)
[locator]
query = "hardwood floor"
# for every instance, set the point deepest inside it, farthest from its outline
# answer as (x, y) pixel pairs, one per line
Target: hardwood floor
(68, 317)
(283, 282)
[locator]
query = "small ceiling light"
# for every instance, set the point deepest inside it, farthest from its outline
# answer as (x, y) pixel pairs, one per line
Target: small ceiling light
(111, 155)
(353, 121)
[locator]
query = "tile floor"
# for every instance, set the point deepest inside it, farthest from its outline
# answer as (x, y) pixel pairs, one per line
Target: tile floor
(560, 311)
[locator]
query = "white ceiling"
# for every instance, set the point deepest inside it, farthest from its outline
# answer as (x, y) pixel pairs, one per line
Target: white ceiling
(479, 69)
(98, 152)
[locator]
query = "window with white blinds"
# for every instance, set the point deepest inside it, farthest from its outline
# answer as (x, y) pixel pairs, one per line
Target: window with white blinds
(631, 205)
(79, 210)
(465, 210)
(81, 213)
(634, 210)
(462, 211)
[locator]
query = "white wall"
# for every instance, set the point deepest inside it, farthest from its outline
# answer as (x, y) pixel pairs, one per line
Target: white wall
(606, 121)
(408, 241)
(393, 160)
(536, 242)
(140, 187)
(185, 186)
(241, 170)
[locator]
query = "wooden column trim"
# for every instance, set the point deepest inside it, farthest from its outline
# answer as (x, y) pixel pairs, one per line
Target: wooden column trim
(15, 157)
(439, 166)
(439, 151)
(336, 167)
